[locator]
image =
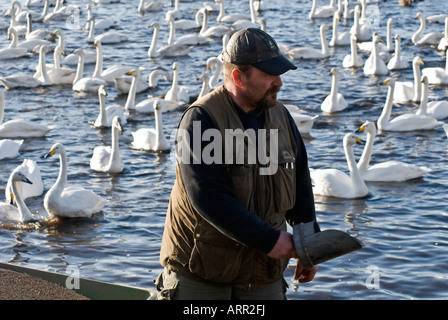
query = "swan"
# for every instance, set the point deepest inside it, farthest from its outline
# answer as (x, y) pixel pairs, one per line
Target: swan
(176, 13)
(432, 38)
(382, 48)
(303, 121)
(108, 37)
(230, 18)
(87, 84)
(31, 170)
(187, 24)
(123, 84)
(108, 158)
(14, 24)
(311, 53)
(171, 50)
(216, 31)
(352, 60)
(215, 64)
(435, 109)
(100, 24)
(443, 44)
(35, 34)
(445, 127)
(21, 213)
(437, 18)
(65, 201)
(150, 139)
(191, 39)
(111, 72)
(385, 171)
(397, 62)
(28, 45)
(107, 114)
(335, 101)
(21, 15)
(437, 75)
(130, 101)
(41, 73)
(335, 183)
(176, 92)
(322, 12)
(406, 91)
(339, 38)
(205, 85)
(9, 148)
(13, 51)
(59, 74)
(361, 31)
(374, 65)
(72, 59)
(19, 128)
(149, 6)
(406, 122)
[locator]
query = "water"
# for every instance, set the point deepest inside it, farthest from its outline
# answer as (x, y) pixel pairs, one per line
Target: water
(403, 226)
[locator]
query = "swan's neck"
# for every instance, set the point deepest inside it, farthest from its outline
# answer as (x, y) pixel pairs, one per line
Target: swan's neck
(61, 181)
(335, 27)
(253, 14)
(423, 107)
(446, 27)
(99, 61)
(334, 89)
(353, 50)
(397, 48)
(153, 77)
(355, 175)
(323, 42)
(61, 42)
(417, 35)
(44, 10)
(366, 156)
(2, 106)
(446, 63)
(115, 156)
(153, 46)
(172, 34)
(14, 40)
(29, 25)
(57, 59)
(91, 35)
(218, 70)
(313, 8)
(389, 34)
(130, 101)
(387, 109)
(103, 114)
(204, 23)
(79, 69)
(417, 81)
(57, 6)
(221, 11)
(205, 88)
(174, 87)
(160, 137)
(25, 214)
(43, 67)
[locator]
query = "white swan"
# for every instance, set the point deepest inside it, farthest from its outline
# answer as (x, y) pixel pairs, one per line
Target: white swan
(59, 74)
(353, 60)
(383, 49)
(443, 44)
(21, 213)
(31, 170)
(397, 62)
(339, 38)
(100, 24)
(437, 75)
(385, 171)
(303, 121)
(215, 31)
(205, 85)
(445, 127)
(19, 128)
(418, 38)
(215, 64)
(170, 50)
(9, 148)
(187, 24)
(335, 101)
(87, 84)
(374, 65)
(66, 201)
(130, 101)
(321, 12)
(335, 183)
(107, 114)
(110, 73)
(31, 34)
(149, 6)
(13, 51)
(254, 22)
(191, 39)
(406, 91)
(20, 14)
(28, 45)
(405, 122)
(108, 37)
(312, 53)
(361, 31)
(108, 158)
(150, 139)
(435, 109)
(176, 92)
(229, 18)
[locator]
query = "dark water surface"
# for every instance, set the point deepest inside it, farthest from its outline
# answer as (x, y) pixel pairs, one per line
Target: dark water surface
(403, 226)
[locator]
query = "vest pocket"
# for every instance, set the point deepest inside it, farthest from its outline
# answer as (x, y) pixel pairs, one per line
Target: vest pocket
(242, 181)
(285, 186)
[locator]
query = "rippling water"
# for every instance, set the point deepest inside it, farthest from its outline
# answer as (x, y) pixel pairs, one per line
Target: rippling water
(403, 226)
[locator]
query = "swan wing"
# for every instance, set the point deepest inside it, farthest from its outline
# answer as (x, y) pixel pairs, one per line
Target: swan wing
(331, 183)
(393, 171)
(144, 138)
(9, 148)
(100, 158)
(22, 128)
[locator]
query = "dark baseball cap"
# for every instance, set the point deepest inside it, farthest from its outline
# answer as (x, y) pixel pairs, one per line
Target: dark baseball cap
(255, 47)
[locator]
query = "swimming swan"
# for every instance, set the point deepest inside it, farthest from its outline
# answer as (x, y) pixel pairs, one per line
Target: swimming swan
(214, 64)
(13, 51)
(110, 73)
(31, 170)
(108, 37)
(229, 18)
(303, 121)
(66, 201)
(87, 84)
(9, 148)
(321, 12)
(405, 122)
(397, 62)
(170, 50)
(406, 91)
(107, 114)
(149, 6)
(374, 65)
(152, 139)
(108, 158)
(312, 53)
(443, 44)
(176, 92)
(335, 183)
(432, 38)
(335, 101)
(385, 171)
(435, 109)
(353, 60)
(437, 75)
(361, 31)
(339, 38)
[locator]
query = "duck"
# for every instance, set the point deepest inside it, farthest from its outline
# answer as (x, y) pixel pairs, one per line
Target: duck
(385, 171)
(432, 38)
(397, 62)
(335, 101)
(170, 50)
(405, 122)
(437, 75)
(312, 53)
(374, 65)
(353, 60)
(339, 38)
(435, 109)
(19, 128)
(149, 6)
(443, 43)
(108, 37)
(406, 91)
(108, 158)
(336, 183)
(9, 148)
(303, 121)
(32, 171)
(176, 92)
(322, 12)
(21, 213)
(215, 64)
(69, 201)
(85, 84)
(110, 73)
(152, 139)
(107, 114)
(361, 31)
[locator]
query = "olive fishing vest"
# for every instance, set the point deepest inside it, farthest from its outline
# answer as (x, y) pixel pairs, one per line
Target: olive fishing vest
(193, 247)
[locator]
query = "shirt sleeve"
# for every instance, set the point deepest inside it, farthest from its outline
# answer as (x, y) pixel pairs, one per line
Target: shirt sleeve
(210, 192)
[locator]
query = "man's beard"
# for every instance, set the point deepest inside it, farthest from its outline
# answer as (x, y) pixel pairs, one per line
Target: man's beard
(269, 100)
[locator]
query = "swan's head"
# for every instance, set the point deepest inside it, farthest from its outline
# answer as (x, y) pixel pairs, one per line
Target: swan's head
(79, 52)
(397, 37)
(389, 81)
(351, 139)
(102, 90)
(324, 27)
(157, 106)
(57, 148)
(134, 72)
(390, 21)
(155, 25)
(419, 16)
(334, 72)
(175, 66)
(97, 43)
(18, 176)
(57, 32)
(417, 60)
(424, 80)
(116, 123)
(368, 126)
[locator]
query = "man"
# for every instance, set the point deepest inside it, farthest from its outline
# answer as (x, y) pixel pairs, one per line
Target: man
(241, 173)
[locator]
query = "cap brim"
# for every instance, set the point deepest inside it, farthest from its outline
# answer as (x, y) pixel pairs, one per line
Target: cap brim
(275, 66)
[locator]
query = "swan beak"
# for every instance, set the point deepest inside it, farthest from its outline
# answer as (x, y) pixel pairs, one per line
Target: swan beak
(26, 180)
(11, 201)
(361, 129)
(359, 141)
(384, 82)
(49, 154)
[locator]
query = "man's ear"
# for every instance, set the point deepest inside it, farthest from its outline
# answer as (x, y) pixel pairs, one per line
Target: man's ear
(236, 76)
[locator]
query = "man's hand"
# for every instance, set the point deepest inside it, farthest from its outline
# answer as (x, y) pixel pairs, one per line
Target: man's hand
(284, 247)
(304, 275)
